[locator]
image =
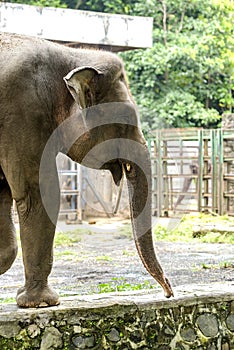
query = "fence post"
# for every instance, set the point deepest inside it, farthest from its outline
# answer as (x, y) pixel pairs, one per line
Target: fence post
(220, 172)
(165, 179)
(214, 179)
(200, 171)
(159, 175)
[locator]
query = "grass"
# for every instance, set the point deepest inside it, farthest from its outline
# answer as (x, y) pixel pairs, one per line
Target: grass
(194, 228)
(125, 231)
(104, 258)
(221, 265)
(188, 229)
(66, 255)
(7, 300)
(121, 284)
(128, 253)
(67, 239)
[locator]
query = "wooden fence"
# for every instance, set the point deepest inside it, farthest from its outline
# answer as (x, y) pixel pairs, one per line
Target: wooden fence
(193, 170)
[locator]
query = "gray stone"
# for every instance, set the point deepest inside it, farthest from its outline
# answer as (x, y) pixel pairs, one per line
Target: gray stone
(208, 324)
(84, 342)
(9, 330)
(33, 330)
(52, 339)
(77, 329)
(226, 346)
(179, 346)
(113, 335)
(212, 347)
(169, 331)
(90, 341)
(232, 307)
(79, 342)
(73, 319)
(188, 334)
(230, 322)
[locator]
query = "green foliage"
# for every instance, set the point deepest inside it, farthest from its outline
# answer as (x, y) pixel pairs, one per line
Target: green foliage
(187, 78)
(187, 230)
(104, 258)
(114, 6)
(41, 3)
(7, 300)
(67, 239)
(121, 285)
(221, 265)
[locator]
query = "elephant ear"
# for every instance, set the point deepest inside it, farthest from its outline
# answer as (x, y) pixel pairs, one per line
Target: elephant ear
(79, 82)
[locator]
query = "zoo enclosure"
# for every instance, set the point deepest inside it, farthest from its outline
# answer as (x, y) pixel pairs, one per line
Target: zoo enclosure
(193, 170)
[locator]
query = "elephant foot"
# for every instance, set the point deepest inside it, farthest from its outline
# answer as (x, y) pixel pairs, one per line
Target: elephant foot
(37, 297)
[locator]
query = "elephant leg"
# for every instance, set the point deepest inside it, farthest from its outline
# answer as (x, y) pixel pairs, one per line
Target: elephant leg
(8, 243)
(37, 235)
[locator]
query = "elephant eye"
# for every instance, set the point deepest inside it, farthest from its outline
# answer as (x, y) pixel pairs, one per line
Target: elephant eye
(128, 167)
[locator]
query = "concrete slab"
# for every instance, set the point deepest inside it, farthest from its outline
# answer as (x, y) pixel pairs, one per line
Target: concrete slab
(201, 319)
(77, 28)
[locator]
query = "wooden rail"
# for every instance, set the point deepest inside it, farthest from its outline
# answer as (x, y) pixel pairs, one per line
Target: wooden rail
(199, 159)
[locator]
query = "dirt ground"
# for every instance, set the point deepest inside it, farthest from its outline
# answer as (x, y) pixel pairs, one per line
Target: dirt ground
(104, 258)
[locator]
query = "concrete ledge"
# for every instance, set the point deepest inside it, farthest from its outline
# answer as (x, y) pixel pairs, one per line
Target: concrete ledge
(198, 317)
(74, 27)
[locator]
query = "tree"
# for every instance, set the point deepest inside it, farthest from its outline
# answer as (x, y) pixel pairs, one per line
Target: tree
(186, 79)
(41, 3)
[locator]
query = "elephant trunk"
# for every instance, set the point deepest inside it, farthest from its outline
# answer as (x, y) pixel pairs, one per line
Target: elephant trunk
(139, 186)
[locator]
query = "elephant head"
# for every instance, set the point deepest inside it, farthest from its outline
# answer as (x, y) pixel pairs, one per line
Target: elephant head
(111, 138)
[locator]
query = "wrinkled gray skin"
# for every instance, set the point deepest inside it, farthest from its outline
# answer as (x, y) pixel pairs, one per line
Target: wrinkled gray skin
(35, 99)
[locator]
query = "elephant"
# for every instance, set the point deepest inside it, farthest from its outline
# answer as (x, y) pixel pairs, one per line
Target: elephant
(43, 86)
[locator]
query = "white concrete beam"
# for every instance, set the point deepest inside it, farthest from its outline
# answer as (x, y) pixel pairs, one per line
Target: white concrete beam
(74, 26)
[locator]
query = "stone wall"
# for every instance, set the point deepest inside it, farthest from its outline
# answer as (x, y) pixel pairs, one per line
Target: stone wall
(196, 318)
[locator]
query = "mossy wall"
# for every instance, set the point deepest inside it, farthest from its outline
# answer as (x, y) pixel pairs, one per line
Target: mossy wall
(194, 319)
